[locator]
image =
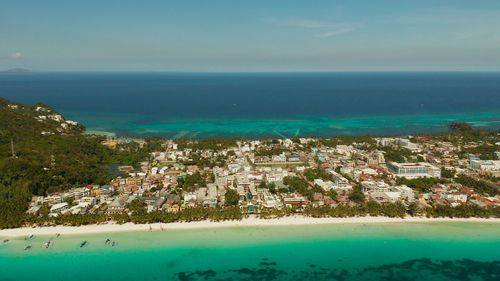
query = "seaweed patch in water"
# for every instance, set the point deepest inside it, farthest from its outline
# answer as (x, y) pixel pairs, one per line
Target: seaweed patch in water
(417, 269)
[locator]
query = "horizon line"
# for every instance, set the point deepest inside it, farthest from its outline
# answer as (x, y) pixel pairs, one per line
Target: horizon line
(29, 71)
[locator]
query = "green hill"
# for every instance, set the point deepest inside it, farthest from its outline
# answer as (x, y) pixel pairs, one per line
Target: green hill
(50, 154)
(24, 120)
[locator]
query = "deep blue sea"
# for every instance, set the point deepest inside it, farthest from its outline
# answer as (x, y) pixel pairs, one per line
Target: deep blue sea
(264, 104)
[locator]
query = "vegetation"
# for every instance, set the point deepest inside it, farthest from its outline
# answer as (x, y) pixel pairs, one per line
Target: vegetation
(318, 173)
(398, 210)
(479, 186)
(447, 173)
(460, 126)
(357, 195)
(271, 187)
(232, 197)
(300, 185)
(346, 140)
(42, 164)
(214, 144)
(422, 185)
(188, 182)
(396, 155)
(132, 152)
(484, 151)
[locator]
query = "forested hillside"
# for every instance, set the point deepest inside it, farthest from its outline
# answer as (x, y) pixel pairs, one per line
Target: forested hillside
(50, 154)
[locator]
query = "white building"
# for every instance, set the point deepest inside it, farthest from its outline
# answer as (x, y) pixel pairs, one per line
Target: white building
(89, 200)
(414, 170)
(58, 209)
(485, 165)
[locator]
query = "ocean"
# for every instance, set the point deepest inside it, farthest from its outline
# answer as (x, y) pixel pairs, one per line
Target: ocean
(176, 105)
(410, 251)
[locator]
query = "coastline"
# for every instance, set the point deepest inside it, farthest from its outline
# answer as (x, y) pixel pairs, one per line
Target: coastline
(247, 222)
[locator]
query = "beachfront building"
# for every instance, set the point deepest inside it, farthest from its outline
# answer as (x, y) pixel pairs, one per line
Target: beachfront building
(382, 192)
(58, 209)
(118, 205)
(414, 170)
(294, 201)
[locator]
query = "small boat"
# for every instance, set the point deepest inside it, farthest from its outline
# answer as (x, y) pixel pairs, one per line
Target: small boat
(58, 234)
(83, 243)
(113, 244)
(47, 244)
(107, 241)
(27, 247)
(31, 236)
(6, 240)
(150, 228)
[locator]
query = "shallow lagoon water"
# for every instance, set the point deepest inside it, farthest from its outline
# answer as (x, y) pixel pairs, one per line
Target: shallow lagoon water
(434, 251)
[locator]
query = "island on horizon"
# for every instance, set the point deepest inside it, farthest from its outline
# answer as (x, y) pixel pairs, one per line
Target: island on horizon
(16, 71)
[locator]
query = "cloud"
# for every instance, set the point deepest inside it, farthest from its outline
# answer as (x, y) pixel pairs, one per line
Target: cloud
(16, 55)
(334, 33)
(293, 22)
(326, 29)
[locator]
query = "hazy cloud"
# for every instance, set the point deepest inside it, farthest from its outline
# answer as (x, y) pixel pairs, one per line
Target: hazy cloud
(16, 55)
(325, 29)
(334, 33)
(293, 22)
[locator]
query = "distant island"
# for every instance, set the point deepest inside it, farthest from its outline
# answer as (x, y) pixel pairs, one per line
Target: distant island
(51, 173)
(16, 71)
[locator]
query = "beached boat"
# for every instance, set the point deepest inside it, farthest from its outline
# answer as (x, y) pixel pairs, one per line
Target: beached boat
(27, 247)
(83, 243)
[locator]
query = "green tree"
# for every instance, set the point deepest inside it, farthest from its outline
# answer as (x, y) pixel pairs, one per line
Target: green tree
(232, 197)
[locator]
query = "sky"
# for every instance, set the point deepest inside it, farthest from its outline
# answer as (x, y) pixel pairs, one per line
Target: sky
(257, 35)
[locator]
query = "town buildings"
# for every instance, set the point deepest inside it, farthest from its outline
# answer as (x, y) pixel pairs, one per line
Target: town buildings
(177, 178)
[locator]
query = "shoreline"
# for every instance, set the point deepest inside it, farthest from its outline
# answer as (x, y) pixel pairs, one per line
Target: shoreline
(247, 222)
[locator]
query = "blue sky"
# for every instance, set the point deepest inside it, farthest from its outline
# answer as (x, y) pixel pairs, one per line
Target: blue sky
(255, 35)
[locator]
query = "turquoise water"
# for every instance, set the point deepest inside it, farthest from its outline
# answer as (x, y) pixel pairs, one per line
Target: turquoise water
(302, 126)
(177, 105)
(410, 251)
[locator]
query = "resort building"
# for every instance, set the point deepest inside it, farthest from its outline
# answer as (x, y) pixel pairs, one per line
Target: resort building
(414, 170)
(491, 166)
(58, 209)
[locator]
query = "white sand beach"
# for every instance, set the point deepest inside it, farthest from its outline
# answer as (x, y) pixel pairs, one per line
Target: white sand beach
(247, 222)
